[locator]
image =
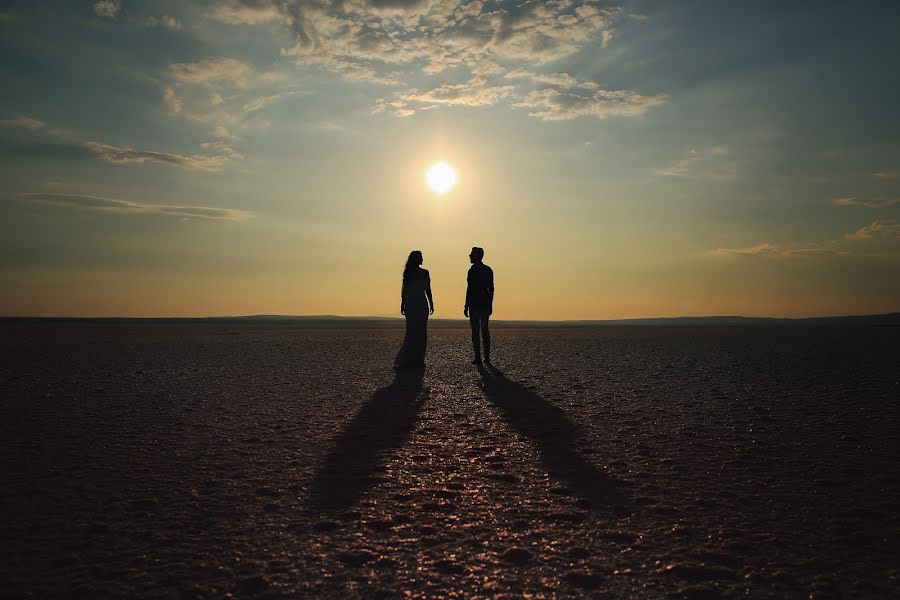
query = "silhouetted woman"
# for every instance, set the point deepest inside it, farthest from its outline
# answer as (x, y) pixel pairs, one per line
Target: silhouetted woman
(416, 304)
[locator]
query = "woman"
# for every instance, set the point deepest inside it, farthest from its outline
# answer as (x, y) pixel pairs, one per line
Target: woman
(416, 304)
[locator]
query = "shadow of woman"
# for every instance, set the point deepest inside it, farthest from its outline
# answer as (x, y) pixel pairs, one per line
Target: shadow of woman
(554, 434)
(384, 422)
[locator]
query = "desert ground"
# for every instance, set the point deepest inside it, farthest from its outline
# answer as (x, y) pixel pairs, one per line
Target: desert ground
(200, 459)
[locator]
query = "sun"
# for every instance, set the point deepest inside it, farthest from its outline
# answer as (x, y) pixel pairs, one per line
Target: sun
(440, 177)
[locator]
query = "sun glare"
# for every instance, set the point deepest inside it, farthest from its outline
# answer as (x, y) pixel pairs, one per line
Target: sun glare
(440, 177)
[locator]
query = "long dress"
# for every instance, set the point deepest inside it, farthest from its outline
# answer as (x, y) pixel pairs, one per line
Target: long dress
(412, 352)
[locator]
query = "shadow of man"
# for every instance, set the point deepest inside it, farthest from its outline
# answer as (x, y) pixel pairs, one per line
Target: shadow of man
(554, 434)
(384, 422)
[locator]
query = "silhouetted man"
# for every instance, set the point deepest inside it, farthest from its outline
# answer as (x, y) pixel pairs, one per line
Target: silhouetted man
(479, 303)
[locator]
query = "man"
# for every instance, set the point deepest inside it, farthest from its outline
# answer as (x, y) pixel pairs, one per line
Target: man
(479, 302)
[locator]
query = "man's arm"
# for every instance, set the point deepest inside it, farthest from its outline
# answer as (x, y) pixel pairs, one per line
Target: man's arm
(468, 292)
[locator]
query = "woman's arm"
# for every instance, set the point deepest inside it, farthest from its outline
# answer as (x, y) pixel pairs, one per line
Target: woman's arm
(428, 293)
(403, 299)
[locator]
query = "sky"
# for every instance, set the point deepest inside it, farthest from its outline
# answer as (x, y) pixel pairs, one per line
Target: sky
(614, 160)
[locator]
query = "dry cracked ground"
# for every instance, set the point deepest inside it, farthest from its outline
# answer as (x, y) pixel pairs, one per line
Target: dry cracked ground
(206, 459)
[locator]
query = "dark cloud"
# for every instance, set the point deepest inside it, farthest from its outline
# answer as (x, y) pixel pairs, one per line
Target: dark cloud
(125, 154)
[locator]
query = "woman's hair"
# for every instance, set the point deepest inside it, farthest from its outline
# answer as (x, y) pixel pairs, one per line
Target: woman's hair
(412, 261)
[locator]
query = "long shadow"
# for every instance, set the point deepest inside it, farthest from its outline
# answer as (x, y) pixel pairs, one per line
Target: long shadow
(554, 434)
(384, 422)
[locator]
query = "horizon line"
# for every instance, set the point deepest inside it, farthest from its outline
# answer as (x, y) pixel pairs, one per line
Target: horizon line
(895, 314)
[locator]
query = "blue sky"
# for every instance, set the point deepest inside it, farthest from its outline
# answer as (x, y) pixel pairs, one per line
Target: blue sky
(614, 159)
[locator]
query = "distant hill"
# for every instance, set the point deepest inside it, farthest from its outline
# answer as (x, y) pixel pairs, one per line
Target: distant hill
(886, 319)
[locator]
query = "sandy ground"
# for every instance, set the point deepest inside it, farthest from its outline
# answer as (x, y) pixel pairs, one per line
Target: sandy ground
(199, 460)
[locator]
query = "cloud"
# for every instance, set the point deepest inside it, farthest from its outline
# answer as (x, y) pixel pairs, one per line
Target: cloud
(476, 92)
(581, 99)
(222, 93)
(396, 108)
(553, 105)
(873, 203)
(385, 41)
(222, 133)
(125, 155)
(887, 229)
(711, 163)
(26, 122)
(164, 22)
(558, 79)
(260, 103)
(214, 71)
(95, 203)
(37, 125)
(776, 251)
(250, 13)
(365, 40)
(107, 8)
(883, 230)
(172, 100)
(886, 174)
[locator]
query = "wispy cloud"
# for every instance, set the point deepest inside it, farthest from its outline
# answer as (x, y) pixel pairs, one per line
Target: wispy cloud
(126, 155)
(212, 72)
(886, 174)
(162, 22)
(777, 251)
(553, 105)
(397, 108)
(107, 8)
(25, 122)
(881, 230)
(172, 100)
(476, 92)
(579, 99)
(123, 155)
(569, 98)
(713, 163)
(262, 102)
(563, 80)
(234, 12)
(221, 93)
(871, 203)
(124, 207)
(884, 229)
